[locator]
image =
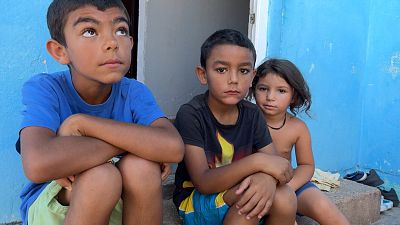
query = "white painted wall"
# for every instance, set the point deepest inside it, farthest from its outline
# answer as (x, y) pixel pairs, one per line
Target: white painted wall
(170, 35)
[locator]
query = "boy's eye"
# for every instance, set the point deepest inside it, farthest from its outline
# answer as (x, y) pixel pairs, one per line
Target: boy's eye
(89, 32)
(122, 31)
(221, 70)
(262, 88)
(244, 71)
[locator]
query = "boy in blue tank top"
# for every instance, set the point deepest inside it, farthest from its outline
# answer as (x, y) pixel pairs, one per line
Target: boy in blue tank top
(75, 121)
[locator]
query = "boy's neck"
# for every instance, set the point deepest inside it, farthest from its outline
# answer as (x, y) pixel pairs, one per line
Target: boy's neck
(92, 94)
(224, 114)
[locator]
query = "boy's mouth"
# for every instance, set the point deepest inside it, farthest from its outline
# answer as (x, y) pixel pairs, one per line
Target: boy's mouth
(232, 92)
(111, 62)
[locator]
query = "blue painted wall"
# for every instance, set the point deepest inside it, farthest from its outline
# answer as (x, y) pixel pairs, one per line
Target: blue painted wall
(349, 52)
(22, 53)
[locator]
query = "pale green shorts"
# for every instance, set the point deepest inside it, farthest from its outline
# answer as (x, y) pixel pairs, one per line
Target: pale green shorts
(47, 210)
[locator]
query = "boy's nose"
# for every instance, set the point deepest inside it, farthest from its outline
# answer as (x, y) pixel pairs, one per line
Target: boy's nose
(233, 77)
(110, 44)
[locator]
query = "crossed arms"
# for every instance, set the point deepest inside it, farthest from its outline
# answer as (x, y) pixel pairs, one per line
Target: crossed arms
(84, 141)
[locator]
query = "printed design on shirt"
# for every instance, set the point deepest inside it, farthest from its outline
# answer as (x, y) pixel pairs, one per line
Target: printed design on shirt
(227, 152)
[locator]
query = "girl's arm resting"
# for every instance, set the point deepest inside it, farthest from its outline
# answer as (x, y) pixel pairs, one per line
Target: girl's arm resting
(304, 158)
(159, 142)
(302, 174)
(46, 156)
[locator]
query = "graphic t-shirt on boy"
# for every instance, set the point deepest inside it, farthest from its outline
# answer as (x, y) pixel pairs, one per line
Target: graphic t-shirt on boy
(222, 144)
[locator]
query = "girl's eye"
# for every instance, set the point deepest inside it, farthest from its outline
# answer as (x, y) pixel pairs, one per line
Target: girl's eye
(282, 91)
(89, 32)
(221, 70)
(122, 31)
(244, 71)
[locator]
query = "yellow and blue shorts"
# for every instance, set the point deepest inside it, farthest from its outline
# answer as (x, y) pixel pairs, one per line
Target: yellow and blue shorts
(203, 209)
(47, 210)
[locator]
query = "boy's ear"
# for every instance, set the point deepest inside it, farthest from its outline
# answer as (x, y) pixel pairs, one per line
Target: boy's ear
(201, 74)
(253, 75)
(57, 51)
(132, 42)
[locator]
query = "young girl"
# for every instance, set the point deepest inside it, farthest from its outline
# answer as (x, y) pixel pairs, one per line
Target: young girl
(277, 87)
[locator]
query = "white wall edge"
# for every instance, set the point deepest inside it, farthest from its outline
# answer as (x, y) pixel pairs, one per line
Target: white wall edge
(140, 71)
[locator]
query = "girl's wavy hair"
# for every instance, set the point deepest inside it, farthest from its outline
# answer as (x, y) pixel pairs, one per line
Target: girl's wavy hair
(292, 75)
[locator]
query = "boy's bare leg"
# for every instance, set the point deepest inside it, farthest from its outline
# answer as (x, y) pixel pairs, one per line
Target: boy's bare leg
(233, 216)
(283, 209)
(142, 193)
(94, 195)
(315, 204)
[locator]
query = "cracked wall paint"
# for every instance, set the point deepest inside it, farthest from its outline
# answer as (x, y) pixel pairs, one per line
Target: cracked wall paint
(394, 67)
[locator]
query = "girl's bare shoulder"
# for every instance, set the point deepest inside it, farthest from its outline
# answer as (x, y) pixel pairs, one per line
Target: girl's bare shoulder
(296, 124)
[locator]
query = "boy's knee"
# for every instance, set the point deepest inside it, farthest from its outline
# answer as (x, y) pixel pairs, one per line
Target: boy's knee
(104, 178)
(285, 199)
(139, 173)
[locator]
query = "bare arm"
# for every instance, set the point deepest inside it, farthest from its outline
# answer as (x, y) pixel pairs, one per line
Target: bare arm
(304, 158)
(46, 156)
(209, 181)
(282, 169)
(159, 142)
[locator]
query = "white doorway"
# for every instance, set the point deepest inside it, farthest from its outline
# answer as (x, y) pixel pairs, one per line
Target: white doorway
(258, 25)
(170, 34)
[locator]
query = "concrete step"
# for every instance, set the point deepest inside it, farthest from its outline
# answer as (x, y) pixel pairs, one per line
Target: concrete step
(359, 203)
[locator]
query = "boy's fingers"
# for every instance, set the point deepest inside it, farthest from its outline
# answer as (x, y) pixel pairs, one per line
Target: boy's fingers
(256, 210)
(71, 178)
(249, 206)
(246, 196)
(165, 170)
(243, 186)
(65, 183)
(265, 210)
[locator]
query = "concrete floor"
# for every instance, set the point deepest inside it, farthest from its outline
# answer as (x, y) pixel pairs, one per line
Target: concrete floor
(389, 217)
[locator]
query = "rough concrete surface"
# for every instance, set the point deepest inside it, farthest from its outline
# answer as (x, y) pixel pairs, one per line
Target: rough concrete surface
(359, 203)
(350, 198)
(390, 217)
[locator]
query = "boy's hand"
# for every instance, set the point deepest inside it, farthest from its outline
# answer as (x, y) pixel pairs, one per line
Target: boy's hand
(258, 192)
(279, 168)
(66, 182)
(165, 170)
(70, 126)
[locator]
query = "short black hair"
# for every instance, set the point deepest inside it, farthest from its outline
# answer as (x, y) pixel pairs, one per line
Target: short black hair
(58, 12)
(225, 36)
(292, 75)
